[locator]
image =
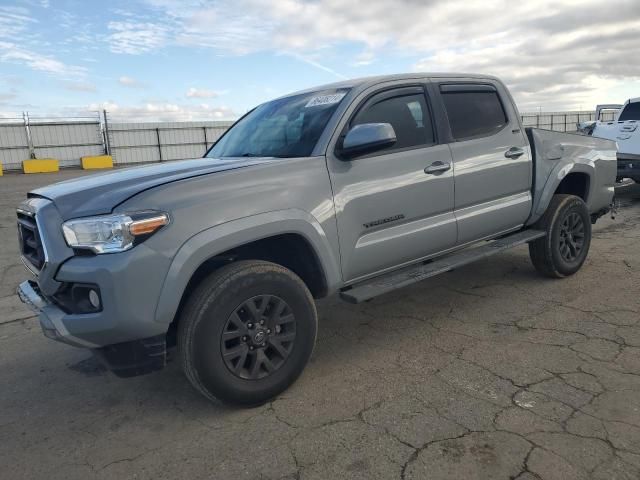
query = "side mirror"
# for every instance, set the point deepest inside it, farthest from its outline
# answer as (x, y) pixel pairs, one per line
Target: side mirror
(367, 138)
(586, 128)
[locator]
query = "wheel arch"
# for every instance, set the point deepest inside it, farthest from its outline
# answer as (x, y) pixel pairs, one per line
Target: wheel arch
(575, 183)
(565, 178)
(272, 236)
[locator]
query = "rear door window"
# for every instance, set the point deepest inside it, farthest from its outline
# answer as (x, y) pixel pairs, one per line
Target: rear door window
(473, 111)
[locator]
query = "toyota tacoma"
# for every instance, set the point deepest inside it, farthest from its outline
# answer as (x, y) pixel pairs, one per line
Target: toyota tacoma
(355, 188)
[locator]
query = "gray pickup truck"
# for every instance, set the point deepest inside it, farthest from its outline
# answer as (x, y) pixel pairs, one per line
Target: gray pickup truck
(355, 188)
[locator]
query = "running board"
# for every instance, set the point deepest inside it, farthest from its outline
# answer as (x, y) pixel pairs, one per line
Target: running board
(406, 276)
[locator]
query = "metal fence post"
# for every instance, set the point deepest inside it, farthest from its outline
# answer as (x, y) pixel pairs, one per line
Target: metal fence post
(32, 150)
(107, 141)
(206, 143)
(159, 144)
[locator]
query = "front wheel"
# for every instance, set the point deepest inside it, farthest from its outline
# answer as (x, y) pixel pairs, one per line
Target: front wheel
(565, 247)
(247, 332)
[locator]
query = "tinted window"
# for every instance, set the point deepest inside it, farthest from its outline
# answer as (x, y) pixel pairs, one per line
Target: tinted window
(287, 127)
(407, 114)
(630, 112)
(474, 113)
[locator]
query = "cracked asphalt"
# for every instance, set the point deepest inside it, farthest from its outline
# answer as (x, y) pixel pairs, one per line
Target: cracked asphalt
(489, 372)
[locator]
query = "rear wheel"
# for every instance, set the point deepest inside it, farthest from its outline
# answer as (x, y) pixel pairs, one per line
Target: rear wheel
(247, 332)
(565, 247)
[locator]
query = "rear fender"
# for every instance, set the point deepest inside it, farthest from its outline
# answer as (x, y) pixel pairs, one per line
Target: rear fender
(558, 154)
(557, 173)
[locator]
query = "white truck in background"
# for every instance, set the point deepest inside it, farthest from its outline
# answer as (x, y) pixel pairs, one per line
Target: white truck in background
(624, 129)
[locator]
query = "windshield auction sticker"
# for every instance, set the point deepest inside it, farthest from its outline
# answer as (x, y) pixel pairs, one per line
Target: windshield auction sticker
(325, 100)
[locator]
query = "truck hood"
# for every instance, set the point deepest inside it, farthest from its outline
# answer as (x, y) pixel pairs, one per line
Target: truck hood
(101, 193)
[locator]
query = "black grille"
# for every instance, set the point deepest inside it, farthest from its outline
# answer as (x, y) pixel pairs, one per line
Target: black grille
(30, 243)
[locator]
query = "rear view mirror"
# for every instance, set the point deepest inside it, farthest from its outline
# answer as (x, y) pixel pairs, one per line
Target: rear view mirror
(367, 138)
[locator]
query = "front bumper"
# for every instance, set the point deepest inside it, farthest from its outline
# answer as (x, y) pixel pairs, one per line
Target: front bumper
(129, 285)
(126, 359)
(628, 166)
(50, 316)
(124, 331)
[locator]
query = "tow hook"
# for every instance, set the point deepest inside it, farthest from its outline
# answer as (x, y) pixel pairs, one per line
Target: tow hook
(613, 208)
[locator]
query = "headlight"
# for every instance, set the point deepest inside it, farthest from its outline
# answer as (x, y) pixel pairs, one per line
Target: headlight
(112, 233)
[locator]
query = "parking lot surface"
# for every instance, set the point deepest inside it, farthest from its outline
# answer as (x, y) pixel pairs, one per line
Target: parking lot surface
(489, 372)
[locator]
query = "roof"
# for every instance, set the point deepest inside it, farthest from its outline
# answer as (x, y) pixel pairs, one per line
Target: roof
(365, 82)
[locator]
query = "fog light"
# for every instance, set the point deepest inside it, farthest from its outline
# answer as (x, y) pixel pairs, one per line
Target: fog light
(94, 299)
(79, 298)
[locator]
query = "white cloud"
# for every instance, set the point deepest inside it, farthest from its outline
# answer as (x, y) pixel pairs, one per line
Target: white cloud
(129, 82)
(12, 53)
(163, 111)
(7, 97)
(365, 58)
(201, 93)
(86, 87)
(135, 38)
(556, 53)
(314, 63)
(14, 21)
(231, 28)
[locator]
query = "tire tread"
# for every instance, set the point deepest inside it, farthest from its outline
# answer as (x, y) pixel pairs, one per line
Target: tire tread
(206, 293)
(541, 251)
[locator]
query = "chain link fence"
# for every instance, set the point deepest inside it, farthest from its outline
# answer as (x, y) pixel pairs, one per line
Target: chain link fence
(14, 142)
(562, 121)
(130, 143)
(67, 139)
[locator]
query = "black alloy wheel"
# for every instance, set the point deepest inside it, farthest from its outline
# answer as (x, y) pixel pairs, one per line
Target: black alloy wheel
(246, 332)
(571, 237)
(258, 337)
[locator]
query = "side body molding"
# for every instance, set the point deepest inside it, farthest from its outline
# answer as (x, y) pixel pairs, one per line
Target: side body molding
(218, 239)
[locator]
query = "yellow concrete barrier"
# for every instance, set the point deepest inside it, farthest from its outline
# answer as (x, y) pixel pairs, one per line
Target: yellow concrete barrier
(40, 165)
(100, 161)
(1, 169)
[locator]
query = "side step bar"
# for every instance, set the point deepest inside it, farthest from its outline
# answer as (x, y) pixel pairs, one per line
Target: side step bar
(414, 273)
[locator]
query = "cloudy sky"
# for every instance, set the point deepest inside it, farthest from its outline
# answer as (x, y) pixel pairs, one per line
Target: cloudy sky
(214, 59)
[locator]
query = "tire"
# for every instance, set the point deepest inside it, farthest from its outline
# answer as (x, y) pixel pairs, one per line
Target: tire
(565, 247)
(220, 335)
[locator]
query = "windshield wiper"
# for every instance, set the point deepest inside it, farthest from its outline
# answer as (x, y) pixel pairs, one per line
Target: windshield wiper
(255, 155)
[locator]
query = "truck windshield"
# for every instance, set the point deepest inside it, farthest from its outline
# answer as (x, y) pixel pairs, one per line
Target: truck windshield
(287, 127)
(630, 112)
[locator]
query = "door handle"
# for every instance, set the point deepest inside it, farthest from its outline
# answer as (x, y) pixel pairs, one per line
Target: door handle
(514, 152)
(437, 167)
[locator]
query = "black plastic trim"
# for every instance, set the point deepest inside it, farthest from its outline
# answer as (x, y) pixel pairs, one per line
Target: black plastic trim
(467, 87)
(139, 357)
(67, 298)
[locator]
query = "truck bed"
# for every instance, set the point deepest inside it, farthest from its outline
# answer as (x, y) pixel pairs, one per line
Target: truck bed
(560, 153)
